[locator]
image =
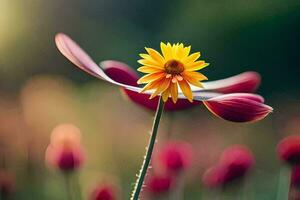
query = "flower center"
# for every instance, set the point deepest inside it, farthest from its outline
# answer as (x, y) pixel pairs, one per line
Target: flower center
(174, 67)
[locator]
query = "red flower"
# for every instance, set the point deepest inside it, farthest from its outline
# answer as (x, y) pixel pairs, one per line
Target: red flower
(175, 156)
(158, 184)
(104, 192)
(288, 149)
(7, 184)
(214, 176)
(234, 163)
(65, 159)
(65, 151)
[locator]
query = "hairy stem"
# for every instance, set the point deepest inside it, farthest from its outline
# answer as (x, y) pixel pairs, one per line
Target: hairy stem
(146, 162)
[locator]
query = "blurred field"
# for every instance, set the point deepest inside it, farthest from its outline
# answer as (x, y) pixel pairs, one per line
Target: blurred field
(39, 89)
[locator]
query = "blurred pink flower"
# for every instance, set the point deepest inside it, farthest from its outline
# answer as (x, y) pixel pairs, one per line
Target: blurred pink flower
(104, 192)
(158, 184)
(211, 94)
(63, 158)
(7, 184)
(175, 156)
(288, 149)
(234, 163)
(65, 151)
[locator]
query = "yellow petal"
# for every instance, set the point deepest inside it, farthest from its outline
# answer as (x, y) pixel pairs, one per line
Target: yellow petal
(149, 69)
(144, 55)
(151, 77)
(180, 52)
(193, 81)
(196, 66)
(186, 51)
(155, 55)
(174, 51)
(174, 91)
(191, 58)
(150, 86)
(150, 62)
(166, 94)
(163, 85)
(166, 50)
(196, 75)
(186, 89)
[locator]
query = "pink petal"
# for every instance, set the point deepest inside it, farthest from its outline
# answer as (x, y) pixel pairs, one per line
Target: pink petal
(76, 55)
(246, 82)
(239, 107)
(120, 72)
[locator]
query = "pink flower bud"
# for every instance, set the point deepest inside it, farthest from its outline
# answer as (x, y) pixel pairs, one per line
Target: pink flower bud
(158, 184)
(288, 149)
(104, 192)
(7, 184)
(238, 160)
(175, 156)
(65, 159)
(239, 107)
(214, 176)
(234, 163)
(65, 151)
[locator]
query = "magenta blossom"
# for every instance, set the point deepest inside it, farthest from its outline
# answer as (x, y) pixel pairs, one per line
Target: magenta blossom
(65, 151)
(175, 156)
(104, 192)
(213, 94)
(288, 149)
(158, 184)
(7, 184)
(234, 163)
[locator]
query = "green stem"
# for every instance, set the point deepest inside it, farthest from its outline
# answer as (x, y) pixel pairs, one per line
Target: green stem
(77, 187)
(283, 183)
(68, 186)
(146, 162)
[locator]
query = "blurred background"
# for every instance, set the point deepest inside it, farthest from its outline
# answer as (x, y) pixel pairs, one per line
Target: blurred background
(40, 89)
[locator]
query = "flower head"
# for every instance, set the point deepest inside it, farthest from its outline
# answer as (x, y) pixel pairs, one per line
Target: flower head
(175, 156)
(246, 82)
(104, 192)
(288, 149)
(173, 68)
(158, 184)
(234, 163)
(214, 94)
(65, 151)
(7, 183)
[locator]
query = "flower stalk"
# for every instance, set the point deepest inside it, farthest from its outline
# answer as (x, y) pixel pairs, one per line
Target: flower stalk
(146, 162)
(68, 186)
(284, 183)
(73, 190)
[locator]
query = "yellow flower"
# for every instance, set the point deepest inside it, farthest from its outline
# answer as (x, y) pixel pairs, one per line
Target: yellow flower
(171, 68)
